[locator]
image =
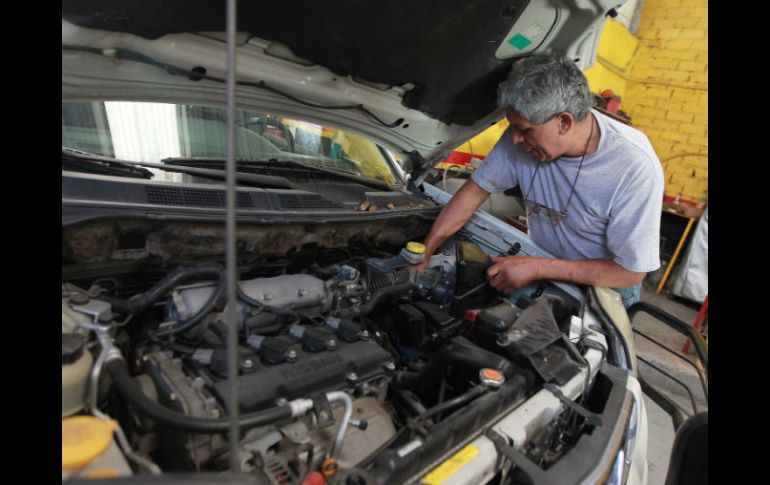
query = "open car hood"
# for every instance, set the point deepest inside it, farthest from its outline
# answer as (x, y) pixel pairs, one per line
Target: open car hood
(417, 76)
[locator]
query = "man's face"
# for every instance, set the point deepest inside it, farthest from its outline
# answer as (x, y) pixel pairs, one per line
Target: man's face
(542, 141)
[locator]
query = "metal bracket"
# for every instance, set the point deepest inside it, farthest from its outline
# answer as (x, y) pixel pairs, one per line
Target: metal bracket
(535, 474)
(591, 418)
(323, 411)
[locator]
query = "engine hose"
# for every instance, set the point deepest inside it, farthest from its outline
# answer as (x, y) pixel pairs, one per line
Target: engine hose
(139, 303)
(470, 395)
(377, 280)
(377, 297)
(128, 390)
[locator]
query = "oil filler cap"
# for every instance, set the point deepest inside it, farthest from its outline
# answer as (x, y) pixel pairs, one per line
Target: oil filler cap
(491, 377)
(83, 439)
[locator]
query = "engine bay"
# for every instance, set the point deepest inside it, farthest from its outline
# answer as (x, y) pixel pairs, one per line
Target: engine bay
(350, 363)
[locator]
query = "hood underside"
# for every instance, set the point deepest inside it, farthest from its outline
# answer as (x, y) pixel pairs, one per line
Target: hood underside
(440, 61)
(423, 43)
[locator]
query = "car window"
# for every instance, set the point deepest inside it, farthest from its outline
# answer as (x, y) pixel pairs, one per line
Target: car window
(152, 132)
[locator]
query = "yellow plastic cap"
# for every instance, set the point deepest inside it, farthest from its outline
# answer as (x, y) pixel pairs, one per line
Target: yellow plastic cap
(83, 439)
(103, 473)
(415, 247)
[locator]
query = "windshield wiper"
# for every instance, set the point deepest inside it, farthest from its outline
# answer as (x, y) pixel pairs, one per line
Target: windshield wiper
(243, 163)
(251, 179)
(80, 161)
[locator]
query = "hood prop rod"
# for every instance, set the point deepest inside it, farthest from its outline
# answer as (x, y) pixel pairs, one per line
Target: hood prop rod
(230, 271)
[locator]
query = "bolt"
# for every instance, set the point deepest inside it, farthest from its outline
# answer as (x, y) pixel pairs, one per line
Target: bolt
(172, 396)
(364, 335)
(390, 366)
(352, 376)
(331, 344)
(248, 364)
(302, 292)
(281, 401)
(267, 296)
(323, 415)
(214, 413)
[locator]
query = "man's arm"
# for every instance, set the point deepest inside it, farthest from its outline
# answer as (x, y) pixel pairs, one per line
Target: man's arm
(455, 214)
(512, 272)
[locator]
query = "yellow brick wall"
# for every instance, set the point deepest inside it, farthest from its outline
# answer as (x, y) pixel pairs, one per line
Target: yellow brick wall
(614, 55)
(666, 91)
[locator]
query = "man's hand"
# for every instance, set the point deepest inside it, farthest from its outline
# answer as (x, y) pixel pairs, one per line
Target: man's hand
(420, 267)
(513, 272)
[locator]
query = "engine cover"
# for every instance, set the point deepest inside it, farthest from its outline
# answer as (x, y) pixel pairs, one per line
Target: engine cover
(310, 374)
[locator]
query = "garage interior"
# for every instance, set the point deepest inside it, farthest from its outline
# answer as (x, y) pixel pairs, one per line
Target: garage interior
(650, 72)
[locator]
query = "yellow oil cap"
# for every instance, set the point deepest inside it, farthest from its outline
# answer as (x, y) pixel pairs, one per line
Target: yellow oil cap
(83, 439)
(415, 247)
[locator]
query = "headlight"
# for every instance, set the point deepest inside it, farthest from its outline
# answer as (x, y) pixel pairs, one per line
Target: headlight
(622, 462)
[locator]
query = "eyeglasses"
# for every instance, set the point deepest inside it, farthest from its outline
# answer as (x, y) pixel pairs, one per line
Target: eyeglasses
(535, 208)
(556, 216)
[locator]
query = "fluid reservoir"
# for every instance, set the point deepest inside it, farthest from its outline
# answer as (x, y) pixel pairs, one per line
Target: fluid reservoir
(413, 252)
(88, 449)
(76, 364)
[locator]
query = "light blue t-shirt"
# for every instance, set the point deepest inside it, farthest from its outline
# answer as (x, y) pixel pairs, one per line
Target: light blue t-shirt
(615, 210)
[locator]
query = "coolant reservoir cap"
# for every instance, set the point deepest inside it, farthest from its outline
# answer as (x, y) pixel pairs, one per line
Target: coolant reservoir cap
(83, 439)
(415, 247)
(491, 377)
(72, 345)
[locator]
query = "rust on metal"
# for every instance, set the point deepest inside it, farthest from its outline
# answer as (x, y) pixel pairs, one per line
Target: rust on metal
(170, 241)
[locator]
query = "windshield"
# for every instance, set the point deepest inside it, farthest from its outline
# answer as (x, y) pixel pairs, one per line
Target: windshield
(153, 132)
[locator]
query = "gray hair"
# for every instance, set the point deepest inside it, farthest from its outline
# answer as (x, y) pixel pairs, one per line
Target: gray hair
(540, 87)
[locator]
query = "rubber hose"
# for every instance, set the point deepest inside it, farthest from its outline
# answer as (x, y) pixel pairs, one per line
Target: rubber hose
(141, 302)
(131, 393)
(461, 399)
(376, 299)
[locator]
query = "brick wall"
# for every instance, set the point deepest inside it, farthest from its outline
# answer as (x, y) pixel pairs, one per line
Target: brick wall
(667, 91)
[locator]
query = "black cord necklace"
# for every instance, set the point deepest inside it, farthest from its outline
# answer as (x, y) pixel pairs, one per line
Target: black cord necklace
(561, 214)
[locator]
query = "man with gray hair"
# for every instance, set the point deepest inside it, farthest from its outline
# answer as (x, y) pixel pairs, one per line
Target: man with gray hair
(593, 187)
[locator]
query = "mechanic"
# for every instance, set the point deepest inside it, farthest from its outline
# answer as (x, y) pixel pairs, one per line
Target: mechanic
(593, 186)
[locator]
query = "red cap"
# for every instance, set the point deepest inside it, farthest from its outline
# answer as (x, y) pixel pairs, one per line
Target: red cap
(471, 315)
(314, 478)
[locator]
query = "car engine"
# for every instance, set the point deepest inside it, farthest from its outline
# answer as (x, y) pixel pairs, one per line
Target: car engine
(337, 361)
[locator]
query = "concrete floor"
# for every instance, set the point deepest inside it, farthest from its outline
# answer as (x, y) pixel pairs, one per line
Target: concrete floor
(660, 426)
